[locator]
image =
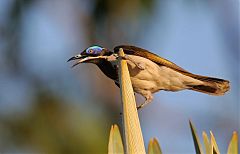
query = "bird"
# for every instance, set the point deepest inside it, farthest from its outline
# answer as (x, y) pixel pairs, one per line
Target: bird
(149, 73)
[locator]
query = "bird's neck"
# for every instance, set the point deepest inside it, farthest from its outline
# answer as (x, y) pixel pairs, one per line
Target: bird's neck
(108, 69)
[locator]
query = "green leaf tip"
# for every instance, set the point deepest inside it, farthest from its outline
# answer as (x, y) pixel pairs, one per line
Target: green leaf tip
(207, 144)
(233, 145)
(214, 144)
(154, 147)
(210, 144)
(115, 145)
(197, 144)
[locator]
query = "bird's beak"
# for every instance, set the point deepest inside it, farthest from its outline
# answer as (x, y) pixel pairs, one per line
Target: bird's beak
(83, 59)
(72, 58)
(80, 59)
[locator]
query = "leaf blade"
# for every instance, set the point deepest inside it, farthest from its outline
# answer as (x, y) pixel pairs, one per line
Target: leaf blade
(197, 144)
(214, 144)
(207, 143)
(233, 145)
(115, 145)
(154, 147)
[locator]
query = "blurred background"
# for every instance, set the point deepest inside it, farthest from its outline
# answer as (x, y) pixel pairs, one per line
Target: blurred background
(47, 107)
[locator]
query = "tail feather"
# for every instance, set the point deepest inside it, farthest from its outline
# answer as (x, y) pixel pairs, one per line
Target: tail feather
(212, 86)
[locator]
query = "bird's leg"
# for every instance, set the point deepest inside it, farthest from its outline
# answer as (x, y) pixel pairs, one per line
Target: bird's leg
(143, 104)
(138, 64)
(148, 100)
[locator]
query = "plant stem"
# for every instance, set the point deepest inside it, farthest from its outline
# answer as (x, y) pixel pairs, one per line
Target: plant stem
(132, 131)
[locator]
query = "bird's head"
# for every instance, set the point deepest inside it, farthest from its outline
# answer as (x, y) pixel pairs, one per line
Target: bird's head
(92, 54)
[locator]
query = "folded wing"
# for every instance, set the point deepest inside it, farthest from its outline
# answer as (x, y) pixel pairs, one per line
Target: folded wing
(213, 86)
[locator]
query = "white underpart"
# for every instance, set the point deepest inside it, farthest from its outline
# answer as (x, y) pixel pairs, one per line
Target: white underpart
(154, 77)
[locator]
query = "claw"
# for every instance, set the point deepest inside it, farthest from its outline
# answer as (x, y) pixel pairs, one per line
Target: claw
(139, 65)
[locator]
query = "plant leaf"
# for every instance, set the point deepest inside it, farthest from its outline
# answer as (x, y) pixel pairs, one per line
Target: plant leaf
(207, 143)
(115, 145)
(134, 142)
(197, 144)
(154, 147)
(214, 144)
(233, 145)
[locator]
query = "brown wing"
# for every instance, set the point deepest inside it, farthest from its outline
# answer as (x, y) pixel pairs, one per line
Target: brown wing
(132, 50)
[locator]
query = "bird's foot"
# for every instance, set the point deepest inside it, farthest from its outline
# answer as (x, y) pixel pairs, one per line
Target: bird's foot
(143, 104)
(138, 64)
(119, 56)
(111, 58)
(148, 100)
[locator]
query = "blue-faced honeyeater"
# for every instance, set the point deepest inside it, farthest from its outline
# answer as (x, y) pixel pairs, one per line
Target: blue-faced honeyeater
(149, 72)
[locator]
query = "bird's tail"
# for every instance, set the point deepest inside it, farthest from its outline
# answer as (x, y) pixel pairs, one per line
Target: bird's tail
(211, 86)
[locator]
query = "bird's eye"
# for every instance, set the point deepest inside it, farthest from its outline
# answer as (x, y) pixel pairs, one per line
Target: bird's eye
(94, 50)
(90, 51)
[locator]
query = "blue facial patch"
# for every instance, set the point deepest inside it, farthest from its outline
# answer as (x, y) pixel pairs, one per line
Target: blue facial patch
(94, 50)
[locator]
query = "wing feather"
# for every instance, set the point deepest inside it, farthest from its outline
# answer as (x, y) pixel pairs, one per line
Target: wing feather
(133, 50)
